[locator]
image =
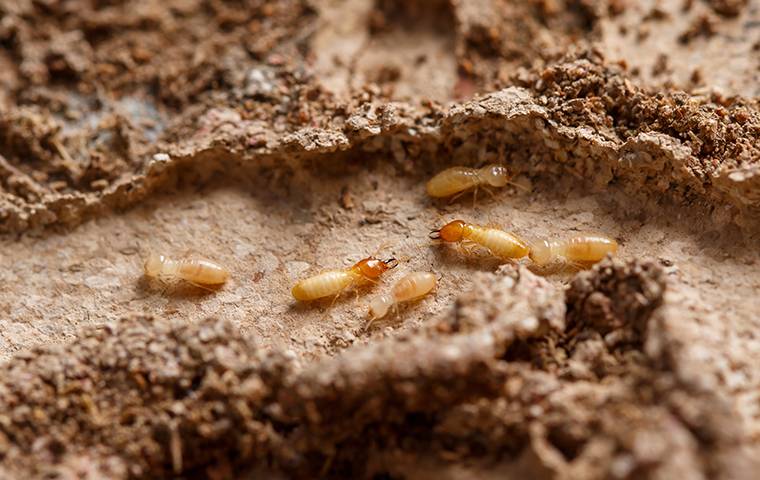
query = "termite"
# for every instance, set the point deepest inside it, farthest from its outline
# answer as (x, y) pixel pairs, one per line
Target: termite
(333, 282)
(411, 287)
(458, 180)
(199, 272)
(581, 249)
(500, 243)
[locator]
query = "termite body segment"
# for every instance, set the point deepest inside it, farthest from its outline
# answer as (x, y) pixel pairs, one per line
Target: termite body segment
(455, 180)
(196, 271)
(411, 287)
(500, 243)
(333, 282)
(581, 249)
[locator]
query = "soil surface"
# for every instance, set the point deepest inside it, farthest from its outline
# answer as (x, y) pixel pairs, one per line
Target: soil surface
(283, 138)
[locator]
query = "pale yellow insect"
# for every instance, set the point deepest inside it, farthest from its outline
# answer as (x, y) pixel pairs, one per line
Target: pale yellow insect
(458, 180)
(199, 272)
(411, 287)
(333, 282)
(581, 249)
(500, 243)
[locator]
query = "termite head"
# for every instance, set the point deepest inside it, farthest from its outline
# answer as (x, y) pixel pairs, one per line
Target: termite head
(540, 252)
(379, 306)
(371, 267)
(495, 175)
(153, 264)
(451, 232)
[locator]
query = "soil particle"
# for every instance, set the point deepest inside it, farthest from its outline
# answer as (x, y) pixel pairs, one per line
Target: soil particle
(637, 291)
(702, 26)
(729, 8)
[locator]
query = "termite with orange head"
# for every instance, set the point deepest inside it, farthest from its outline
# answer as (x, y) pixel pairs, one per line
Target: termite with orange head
(199, 272)
(500, 243)
(334, 282)
(411, 287)
(582, 250)
(457, 180)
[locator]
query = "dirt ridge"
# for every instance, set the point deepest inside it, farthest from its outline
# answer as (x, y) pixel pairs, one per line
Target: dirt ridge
(560, 121)
(192, 398)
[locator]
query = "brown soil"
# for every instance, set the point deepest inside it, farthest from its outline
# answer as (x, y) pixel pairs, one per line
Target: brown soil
(284, 137)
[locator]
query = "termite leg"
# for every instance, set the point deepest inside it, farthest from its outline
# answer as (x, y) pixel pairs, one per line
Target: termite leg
(204, 287)
(455, 197)
(164, 282)
(468, 247)
(463, 250)
(335, 298)
(332, 302)
(577, 266)
(488, 191)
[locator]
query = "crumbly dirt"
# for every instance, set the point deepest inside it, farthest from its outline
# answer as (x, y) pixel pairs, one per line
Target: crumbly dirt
(281, 138)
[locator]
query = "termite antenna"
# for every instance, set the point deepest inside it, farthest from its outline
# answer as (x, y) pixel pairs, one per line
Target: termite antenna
(517, 185)
(382, 247)
(368, 324)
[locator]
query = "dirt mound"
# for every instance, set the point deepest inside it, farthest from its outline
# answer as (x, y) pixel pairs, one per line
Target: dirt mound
(283, 138)
(516, 368)
(579, 113)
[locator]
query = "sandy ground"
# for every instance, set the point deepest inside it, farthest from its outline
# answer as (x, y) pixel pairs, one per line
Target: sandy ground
(299, 137)
(272, 237)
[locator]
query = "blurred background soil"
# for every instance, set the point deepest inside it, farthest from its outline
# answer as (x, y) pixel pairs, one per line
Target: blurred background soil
(281, 138)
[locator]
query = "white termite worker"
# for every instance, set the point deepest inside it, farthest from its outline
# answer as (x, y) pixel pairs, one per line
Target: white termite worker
(456, 181)
(410, 287)
(581, 251)
(200, 272)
